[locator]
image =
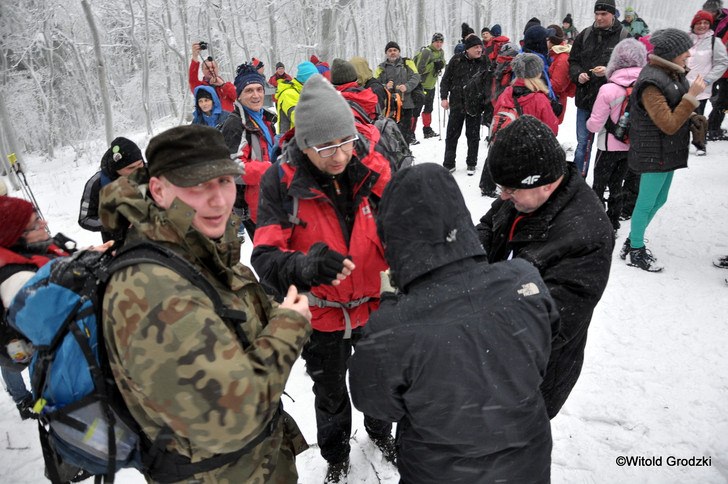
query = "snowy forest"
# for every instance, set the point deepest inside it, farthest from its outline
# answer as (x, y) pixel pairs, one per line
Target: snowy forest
(81, 70)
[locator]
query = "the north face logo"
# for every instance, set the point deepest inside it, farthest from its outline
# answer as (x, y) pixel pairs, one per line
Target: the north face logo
(530, 180)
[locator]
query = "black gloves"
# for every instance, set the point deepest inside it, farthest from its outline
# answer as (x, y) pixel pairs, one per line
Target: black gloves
(320, 266)
(438, 65)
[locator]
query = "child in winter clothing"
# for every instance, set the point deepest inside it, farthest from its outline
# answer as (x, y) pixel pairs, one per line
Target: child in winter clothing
(208, 110)
(530, 90)
(625, 64)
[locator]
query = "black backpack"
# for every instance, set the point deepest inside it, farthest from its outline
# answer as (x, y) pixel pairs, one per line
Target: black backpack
(93, 432)
(392, 144)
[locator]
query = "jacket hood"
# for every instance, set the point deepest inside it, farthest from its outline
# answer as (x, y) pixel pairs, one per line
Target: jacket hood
(523, 100)
(424, 224)
(625, 77)
(216, 105)
(126, 206)
(561, 49)
(363, 71)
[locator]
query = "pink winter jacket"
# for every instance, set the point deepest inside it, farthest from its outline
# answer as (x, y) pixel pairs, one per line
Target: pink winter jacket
(608, 104)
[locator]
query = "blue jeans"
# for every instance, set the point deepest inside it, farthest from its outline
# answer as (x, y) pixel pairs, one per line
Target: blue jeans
(15, 385)
(584, 140)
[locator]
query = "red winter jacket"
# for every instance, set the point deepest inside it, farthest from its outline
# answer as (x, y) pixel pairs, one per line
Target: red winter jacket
(226, 93)
(536, 104)
(280, 244)
(561, 83)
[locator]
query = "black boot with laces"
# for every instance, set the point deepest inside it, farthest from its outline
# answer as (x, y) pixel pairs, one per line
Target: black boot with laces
(643, 259)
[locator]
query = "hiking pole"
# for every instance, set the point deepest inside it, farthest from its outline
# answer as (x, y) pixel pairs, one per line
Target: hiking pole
(439, 107)
(18, 170)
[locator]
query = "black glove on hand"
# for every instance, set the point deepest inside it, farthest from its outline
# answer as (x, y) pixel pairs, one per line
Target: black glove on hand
(321, 265)
(438, 65)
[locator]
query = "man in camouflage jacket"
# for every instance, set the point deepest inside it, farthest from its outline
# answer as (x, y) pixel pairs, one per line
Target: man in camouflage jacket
(178, 365)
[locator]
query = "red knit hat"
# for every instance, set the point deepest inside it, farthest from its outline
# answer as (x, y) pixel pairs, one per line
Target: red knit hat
(702, 15)
(15, 214)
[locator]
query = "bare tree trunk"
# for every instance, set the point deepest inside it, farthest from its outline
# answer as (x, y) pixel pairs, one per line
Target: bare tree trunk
(144, 61)
(12, 143)
(108, 121)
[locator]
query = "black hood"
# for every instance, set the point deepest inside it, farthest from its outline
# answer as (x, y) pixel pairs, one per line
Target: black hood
(424, 224)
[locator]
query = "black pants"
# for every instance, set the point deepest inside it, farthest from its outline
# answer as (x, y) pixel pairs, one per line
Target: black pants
(719, 100)
(630, 190)
(610, 170)
(487, 185)
(327, 357)
(454, 129)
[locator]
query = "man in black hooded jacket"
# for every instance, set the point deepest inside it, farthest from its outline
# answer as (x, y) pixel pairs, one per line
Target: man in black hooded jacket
(457, 357)
(550, 217)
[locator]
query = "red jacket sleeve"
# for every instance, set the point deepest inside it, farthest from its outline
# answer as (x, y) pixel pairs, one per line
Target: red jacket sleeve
(194, 78)
(559, 74)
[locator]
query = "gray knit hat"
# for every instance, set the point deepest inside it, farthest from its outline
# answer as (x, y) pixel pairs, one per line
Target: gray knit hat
(526, 154)
(527, 66)
(713, 6)
(342, 71)
(670, 43)
(322, 114)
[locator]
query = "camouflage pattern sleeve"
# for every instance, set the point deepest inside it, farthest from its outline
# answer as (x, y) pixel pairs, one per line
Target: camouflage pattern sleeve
(178, 364)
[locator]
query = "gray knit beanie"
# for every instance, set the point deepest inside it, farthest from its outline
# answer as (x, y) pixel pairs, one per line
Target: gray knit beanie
(342, 72)
(713, 6)
(526, 154)
(322, 114)
(670, 43)
(527, 66)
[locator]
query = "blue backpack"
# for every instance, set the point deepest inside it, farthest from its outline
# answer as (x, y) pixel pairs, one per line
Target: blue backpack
(85, 427)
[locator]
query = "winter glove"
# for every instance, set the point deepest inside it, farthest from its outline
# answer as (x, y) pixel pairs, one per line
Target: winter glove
(386, 286)
(320, 266)
(438, 65)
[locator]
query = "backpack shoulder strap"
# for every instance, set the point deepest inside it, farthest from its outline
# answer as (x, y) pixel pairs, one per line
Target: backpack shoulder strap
(149, 252)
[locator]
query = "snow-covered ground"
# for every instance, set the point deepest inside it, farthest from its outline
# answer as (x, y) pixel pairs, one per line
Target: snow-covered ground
(655, 379)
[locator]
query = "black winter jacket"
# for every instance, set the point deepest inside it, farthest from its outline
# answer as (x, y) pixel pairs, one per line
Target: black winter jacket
(457, 358)
(458, 72)
(652, 150)
(587, 54)
(569, 240)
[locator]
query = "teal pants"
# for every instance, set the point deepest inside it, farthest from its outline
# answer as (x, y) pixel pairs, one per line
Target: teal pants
(654, 188)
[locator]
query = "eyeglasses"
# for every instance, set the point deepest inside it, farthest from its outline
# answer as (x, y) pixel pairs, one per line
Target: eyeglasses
(507, 191)
(329, 151)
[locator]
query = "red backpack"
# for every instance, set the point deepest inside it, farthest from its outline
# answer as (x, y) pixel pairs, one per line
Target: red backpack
(505, 116)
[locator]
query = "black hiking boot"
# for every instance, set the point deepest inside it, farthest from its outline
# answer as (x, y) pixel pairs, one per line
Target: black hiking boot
(471, 170)
(721, 262)
(716, 135)
(337, 472)
(386, 444)
(643, 259)
(625, 249)
(428, 132)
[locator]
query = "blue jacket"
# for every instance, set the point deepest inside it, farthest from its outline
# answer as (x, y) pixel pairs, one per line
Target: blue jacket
(217, 117)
